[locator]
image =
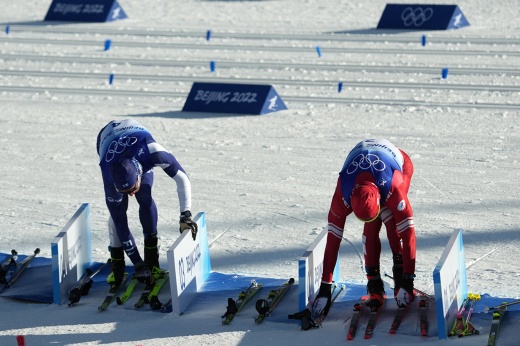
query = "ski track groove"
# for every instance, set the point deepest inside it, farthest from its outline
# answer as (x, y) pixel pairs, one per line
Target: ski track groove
(262, 64)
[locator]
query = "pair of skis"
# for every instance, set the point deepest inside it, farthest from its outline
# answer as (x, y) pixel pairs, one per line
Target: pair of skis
(399, 316)
(266, 306)
(15, 269)
(112, 293)
(235, 306)
(356, 315)
(423, 304)
(150, 294)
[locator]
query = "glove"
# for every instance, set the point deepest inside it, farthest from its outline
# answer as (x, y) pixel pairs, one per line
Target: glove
(186, 222)
(404, 295)
(397, 271)
(321, 305)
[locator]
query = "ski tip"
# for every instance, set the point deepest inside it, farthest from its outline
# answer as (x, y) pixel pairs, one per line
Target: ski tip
(291, 281)
(37, 251)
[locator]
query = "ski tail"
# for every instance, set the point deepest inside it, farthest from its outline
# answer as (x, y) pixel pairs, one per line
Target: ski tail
(112, 293)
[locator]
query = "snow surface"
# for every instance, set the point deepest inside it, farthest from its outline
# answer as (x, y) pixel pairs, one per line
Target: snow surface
(264, 182)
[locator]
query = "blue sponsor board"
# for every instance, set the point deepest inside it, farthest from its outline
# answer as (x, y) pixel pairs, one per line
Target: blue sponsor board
(422, 17)
(233, 98)
(85, 11)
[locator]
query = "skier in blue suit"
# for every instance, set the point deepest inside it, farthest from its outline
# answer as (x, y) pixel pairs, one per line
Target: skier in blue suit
(127, 157)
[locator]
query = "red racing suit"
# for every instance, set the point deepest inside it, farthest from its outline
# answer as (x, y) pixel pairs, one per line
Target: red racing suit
(396, 214)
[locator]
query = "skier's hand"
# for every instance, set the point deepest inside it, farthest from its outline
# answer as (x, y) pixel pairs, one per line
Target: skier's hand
(404, 295)
(186, 222)
(321, 305)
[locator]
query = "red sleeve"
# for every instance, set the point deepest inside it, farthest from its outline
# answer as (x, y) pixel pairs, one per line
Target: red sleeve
(407, 171)
(336, 222)
(402, 212)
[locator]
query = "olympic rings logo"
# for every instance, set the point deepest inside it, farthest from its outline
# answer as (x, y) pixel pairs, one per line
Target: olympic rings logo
(416, 17)
(117, 147)
(365, 162)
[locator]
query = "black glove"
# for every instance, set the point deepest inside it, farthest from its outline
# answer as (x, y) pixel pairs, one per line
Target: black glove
(186, 222)
(405, 295)
(397, 271)
(321, 304)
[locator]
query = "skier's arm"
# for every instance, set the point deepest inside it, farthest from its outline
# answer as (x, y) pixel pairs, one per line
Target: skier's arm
(336, 222)
(165, 160)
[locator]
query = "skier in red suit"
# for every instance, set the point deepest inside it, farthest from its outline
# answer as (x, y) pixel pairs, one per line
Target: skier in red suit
(373, 184)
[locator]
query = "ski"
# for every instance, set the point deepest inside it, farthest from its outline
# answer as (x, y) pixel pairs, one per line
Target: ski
(401, 312)
(7, 265)
(143, 299)
(266, 306)
(372, 320)
(21, 268)
(85, 282)
(120, 300)
(235, 307)
(112, 293)
(153, 297)
(356, 314)
(495, 324)
(423, 315)
(152, 290)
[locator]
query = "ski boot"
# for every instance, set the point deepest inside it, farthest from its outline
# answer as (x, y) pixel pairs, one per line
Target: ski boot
(117, 266)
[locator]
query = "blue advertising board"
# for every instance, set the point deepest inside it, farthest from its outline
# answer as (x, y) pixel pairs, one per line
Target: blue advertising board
(422, 17)
(85, 11)
(233, 98)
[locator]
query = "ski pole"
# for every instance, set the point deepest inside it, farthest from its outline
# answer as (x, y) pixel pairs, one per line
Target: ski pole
(470, 329)
(5, 267)
(458, 325)
(342, 287)
(25, 263)
(487, 309)
(76, 293)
